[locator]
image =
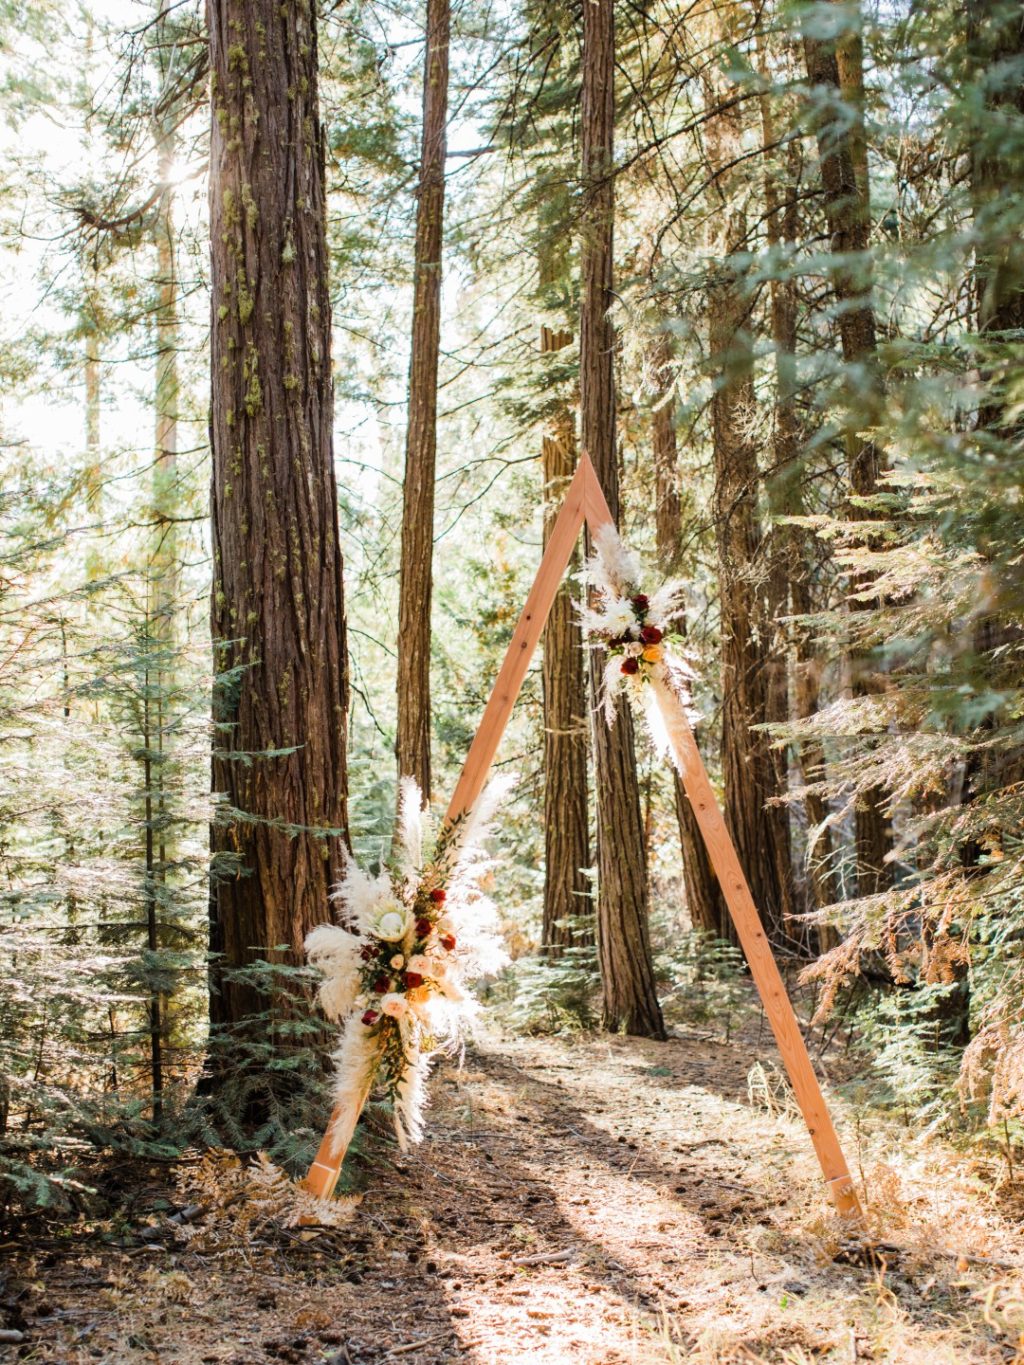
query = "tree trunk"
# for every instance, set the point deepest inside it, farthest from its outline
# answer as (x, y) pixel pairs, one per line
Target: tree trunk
(759, 831)
(163, 567)
(846, 213)
(277, 614)
(412, 746)
(995, 42)
(791, 557)
(630, 1003)
(703, 898)
(566, 814)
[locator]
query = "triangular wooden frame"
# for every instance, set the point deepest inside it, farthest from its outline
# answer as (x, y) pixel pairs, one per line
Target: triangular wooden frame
(585, 502)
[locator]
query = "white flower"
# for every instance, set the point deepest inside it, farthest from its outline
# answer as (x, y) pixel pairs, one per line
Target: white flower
(619, 617)
(633, 650)
(389, 920)
(420, 965)
(395, 1005)
(398, 962)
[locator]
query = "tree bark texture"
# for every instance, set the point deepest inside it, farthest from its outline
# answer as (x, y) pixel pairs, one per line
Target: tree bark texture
(630, 1003)
(704, 901)
(759, 831)
(566, 811)
(792, 549)
(277, 614)
(846, 213)
(412, 746)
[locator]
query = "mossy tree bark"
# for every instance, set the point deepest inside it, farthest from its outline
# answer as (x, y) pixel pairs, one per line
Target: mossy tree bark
(630, 1003)
(412, 746)
(277, 614)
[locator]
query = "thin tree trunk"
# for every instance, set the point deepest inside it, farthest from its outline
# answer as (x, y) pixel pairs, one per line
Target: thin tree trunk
(277, 613)
(163, 567)
(156, 1000)
(703, 898)
(412, 746)
(759, 830)
(846, 212)
(566, 813)
(629, 1003)
(791, 558)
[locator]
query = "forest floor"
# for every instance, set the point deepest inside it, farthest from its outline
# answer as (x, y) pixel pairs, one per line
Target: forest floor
(594, 1201)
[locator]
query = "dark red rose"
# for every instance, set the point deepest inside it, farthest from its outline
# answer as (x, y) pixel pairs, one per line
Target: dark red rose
(650, 635)
(640, 602)
(423, 928)
(381, 985)
(368, 951)
(630, 665)
(370, 1017)
(438, 895)
(448, 942)
(412, 980)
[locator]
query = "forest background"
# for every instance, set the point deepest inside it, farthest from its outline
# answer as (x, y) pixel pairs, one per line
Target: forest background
(817, 296)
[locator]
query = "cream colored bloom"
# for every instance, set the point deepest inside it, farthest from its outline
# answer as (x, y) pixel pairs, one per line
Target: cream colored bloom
(390, 920)
(394, 1005)
(619, 617)
(398, 962)
(419, 964)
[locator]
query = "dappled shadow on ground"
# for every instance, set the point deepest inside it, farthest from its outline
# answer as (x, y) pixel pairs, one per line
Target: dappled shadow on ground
(585, 1203)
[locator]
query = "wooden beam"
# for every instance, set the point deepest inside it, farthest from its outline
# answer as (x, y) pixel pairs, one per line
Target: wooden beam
(524, 641)
(323, 1174)
(749, 929)
(585, 501)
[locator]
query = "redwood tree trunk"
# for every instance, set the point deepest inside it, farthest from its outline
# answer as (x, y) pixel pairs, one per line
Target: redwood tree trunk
(847, 214)
(629, 1002)
(277, 613)
(791, 559)
(412, 746)
(703, 898)
(759, 831)
(566, 814)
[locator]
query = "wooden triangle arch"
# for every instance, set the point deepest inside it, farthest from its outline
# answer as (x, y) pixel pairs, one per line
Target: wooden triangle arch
(585, 502)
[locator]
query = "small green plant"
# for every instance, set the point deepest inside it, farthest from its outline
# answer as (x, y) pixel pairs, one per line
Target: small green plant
(551, 994)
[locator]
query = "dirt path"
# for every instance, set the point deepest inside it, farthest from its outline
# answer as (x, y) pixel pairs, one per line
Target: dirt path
(604, 1201)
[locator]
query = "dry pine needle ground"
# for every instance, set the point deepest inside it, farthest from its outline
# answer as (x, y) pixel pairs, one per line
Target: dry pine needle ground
(604, 1200)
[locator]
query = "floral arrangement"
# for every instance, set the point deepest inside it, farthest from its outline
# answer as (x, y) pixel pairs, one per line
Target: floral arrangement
(646, 656)
(397, 978)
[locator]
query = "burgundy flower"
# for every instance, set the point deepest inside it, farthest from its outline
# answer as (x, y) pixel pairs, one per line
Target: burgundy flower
(640, 602)
(412, 980)
(448, 942)
(438, 895)
(630, 665)
(650, 635)
(370, 1017)
(423, 928)
(368, 951)
(381, 985)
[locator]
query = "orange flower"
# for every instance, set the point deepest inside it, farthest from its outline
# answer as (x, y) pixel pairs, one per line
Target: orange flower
(653, 654)
(419, 995)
